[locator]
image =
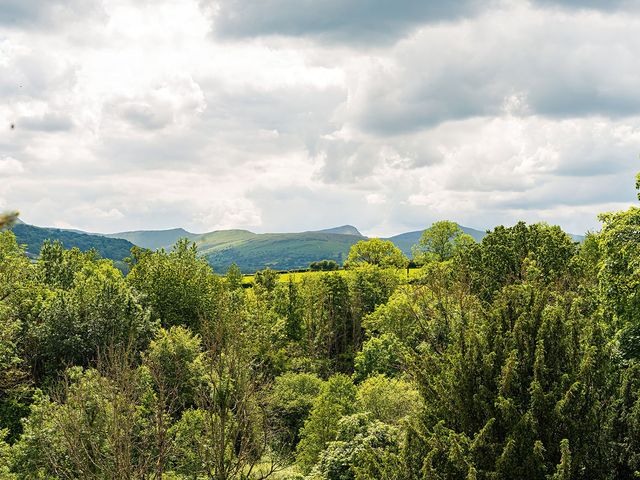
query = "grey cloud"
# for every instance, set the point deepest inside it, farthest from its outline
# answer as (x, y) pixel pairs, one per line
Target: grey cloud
(301, 109)
(572, 192)
(35, 75)
(577, 99)
(393, 147)
(604, 5)
(351, 161)
(46, 13)
(378, 21)
(308, 209)
(360, 21)
(557, 65)
(146, 116)
(49, 122)
(238, 126)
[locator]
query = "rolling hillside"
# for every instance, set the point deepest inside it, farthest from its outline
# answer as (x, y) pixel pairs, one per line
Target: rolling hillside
(33, 237)
(250, 251)
(278, 251)
(344, 230)
(154, 239)
(255, 251)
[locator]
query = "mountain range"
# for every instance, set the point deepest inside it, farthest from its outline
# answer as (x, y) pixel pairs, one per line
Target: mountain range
(278, 251)
(250, 251)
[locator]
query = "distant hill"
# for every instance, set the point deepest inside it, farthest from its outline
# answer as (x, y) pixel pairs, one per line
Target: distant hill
(576, 238)
(255, 251)
(250, 251)
(343, 230)
(33, 237)
(154, 239)
(278, 251)
(405, 241)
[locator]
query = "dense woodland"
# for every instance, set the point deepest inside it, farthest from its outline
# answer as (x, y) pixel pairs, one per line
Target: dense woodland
(33, 238)
(514, 358)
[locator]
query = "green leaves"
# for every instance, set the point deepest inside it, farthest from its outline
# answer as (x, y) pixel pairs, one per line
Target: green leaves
(441, 242)
(375, 251)
(8, 219)
(179, 287)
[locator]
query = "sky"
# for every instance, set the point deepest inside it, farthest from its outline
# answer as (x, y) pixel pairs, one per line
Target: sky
(294, 115)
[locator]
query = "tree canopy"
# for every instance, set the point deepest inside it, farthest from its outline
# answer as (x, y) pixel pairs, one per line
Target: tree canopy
(514, 358)
(375, 251)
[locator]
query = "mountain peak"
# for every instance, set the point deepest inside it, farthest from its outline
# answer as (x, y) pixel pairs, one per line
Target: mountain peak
(342, 230)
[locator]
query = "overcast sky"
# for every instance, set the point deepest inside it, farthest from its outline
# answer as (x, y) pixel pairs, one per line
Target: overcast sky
(289, 115)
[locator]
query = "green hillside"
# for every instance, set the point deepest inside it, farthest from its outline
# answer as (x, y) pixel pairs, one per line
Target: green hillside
(278, 251)
(344, 230)
(250, 251)
(154, 239)
(33, 237)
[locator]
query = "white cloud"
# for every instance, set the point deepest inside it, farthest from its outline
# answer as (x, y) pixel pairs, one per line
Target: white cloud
(10, 166)
(138, 114)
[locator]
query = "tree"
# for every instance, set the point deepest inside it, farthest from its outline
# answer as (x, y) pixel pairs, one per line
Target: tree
(174, 364)
(380, 355)
(375, 252)
(330, 322)
(387, 399)
(441, 242)
(178, 287)
(8, 219)
(364, 449)
(234, 277)
(619, 274)
(266, 279)
(502, 256)
(16, 289)
(506, 388)
(74, 325)
(91, 427)
(324, 265)
(337, 398)
(226, 435)
(290, 401)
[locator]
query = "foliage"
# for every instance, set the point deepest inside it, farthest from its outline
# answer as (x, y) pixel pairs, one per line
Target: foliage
(290, 402)
(375, 251)
(33, 238)
(234, 277)
(174, 362)
(501, 257)
(324, 265)
(8, 219)
(336, 399)
(381, 355)
(178, 287)
(98, 310)
(363, 449)
(513, 358)
(266, 279)
(387, 399)
(441, 242)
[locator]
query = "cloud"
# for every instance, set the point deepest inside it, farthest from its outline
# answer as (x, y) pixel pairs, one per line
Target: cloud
(174, 101)
(609, 5)
(555, 64)
(10, 166)
(45, 13)
(288, 119)
(356, 21)
(48, 122)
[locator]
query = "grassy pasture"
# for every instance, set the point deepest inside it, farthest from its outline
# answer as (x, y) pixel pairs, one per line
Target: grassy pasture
(283, 277)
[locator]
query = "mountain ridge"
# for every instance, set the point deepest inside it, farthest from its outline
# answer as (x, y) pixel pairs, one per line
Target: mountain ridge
(250, 251)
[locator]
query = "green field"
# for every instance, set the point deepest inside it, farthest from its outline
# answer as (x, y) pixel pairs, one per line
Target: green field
(411, 273)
